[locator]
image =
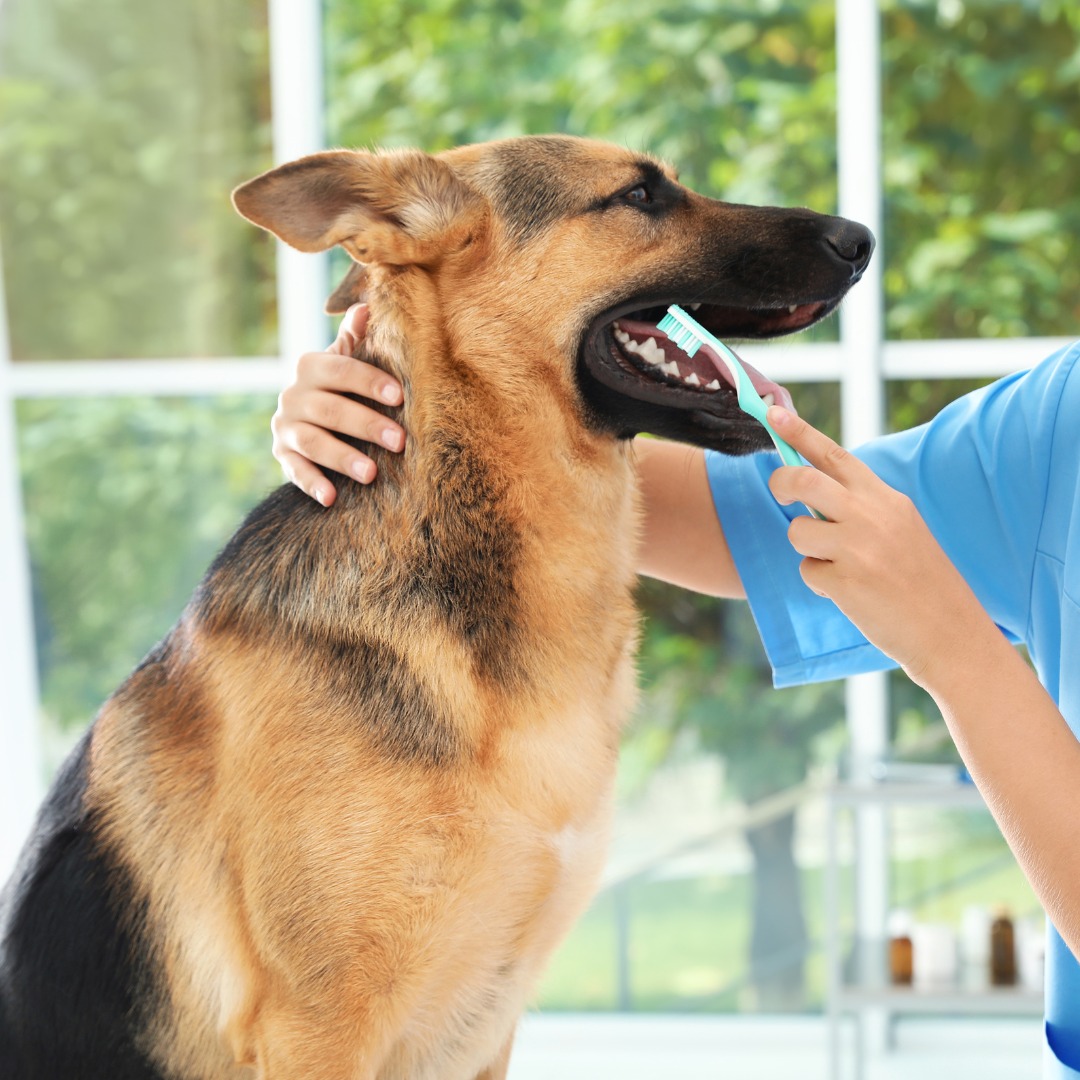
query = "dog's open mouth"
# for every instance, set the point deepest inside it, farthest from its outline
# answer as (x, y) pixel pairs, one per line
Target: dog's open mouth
(642, 349)
(638, 379)
(634, 343)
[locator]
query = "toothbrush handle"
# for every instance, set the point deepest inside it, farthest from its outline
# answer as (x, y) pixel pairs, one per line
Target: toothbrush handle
(790, 456)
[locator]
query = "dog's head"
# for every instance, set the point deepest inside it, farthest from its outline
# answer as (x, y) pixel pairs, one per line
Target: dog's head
(565, 253)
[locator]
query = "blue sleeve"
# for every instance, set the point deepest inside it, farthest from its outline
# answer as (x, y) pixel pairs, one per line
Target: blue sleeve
(978, 473)
(806, 637)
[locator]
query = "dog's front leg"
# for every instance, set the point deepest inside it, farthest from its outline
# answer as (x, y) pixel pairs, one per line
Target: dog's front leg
(324, 1062)
(324, 1044)
(498, 1068)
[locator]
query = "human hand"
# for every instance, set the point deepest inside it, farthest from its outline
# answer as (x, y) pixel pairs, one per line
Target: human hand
(313, 407)
(875, 557)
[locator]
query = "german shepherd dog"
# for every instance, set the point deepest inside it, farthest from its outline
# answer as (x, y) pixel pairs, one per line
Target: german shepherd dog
(335, 823)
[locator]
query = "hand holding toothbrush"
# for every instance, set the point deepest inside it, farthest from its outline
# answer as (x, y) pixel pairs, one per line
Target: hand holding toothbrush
(875, 557)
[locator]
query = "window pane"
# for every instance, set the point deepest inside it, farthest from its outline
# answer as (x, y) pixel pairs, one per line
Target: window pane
(127, 500)
(125, 127)
(982, 150)
(739, 95)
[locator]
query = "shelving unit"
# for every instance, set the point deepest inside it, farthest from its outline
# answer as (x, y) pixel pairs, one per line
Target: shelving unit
(857, 971)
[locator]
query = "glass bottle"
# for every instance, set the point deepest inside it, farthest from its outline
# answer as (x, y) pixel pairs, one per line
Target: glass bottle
(1002, 949)
(901, 951)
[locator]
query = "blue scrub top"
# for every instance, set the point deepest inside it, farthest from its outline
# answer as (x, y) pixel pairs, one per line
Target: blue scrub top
(997, 477)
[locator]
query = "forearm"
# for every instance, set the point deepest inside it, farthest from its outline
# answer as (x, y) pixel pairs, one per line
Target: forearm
(682, 542)
(1021, 754)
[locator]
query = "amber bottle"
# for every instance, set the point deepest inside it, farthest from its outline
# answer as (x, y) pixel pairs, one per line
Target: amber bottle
(1002, 950)
(901, 950)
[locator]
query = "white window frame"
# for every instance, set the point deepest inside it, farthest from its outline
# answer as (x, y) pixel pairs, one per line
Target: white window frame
(861, 362)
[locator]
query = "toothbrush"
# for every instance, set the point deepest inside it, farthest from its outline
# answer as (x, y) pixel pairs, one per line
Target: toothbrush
(690, 335)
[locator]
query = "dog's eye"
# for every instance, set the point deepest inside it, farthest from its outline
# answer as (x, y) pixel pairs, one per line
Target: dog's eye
(639, 196)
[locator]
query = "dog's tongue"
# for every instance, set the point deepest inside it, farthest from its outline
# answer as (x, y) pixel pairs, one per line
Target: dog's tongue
(764, 386)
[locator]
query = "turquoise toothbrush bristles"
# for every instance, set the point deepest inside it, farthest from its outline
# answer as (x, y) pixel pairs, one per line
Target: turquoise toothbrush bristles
(690, 335)
(682, 335)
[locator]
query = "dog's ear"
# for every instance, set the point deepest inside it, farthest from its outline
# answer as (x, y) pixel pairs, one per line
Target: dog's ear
(397, 207)
(352, 290)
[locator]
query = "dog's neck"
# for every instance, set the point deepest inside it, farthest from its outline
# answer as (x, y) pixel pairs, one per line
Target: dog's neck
(501, 488)
(470, 383)
(505, 535)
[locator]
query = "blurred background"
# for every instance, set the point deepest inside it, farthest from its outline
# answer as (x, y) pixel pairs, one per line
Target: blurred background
(148, 329)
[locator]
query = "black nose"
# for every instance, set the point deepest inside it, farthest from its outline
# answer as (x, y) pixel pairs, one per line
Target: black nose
(854, 244)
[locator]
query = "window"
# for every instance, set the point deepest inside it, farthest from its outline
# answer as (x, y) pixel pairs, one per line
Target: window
(138, 306)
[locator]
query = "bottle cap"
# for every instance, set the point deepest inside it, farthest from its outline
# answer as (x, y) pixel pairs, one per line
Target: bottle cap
(899, 923)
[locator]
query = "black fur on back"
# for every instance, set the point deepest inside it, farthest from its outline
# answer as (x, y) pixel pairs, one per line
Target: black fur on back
(74, 974)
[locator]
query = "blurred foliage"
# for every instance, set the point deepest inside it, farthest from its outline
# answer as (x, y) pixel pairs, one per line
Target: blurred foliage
(125, 125)
(127, 500)
(739, 95)
(980, 136)
(702, 666)
(914, 402)
(981, 133)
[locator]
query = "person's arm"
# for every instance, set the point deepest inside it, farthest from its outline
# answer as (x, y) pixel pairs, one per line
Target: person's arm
(313, 407)
(682, 542)
(876, 559)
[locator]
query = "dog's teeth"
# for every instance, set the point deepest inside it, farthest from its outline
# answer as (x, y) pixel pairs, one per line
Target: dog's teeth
(714, 385)
(769, 399)
(652, 352)
(692, 379)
